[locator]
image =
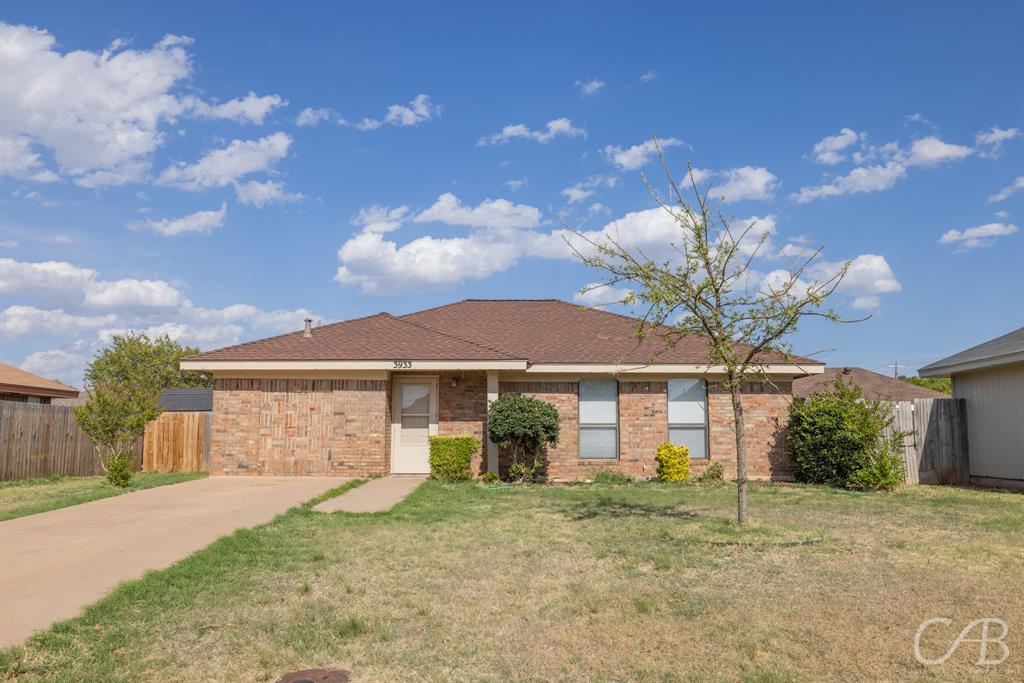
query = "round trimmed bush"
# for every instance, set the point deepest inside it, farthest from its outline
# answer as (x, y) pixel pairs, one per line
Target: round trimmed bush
(450, 457)
(673, 462)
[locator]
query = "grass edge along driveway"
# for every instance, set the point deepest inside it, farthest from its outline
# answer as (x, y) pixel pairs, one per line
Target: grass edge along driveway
(593, 582)
(41, 494)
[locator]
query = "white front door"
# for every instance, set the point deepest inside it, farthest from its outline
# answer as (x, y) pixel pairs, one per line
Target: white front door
(414, 418)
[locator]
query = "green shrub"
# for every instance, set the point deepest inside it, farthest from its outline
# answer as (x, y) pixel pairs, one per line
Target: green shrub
(612, 477)
(836, 437)
(119, 470)
(490, 477)
(673, 462)
(450, 457)
(714, 472)
(526, 426)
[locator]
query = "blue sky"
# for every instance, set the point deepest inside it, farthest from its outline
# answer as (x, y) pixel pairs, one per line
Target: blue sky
(217, 171)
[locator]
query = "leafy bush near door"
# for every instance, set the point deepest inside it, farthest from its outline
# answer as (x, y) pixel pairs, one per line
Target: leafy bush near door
(450, 457)
(673, 462)
(527, 426)
(836, 437)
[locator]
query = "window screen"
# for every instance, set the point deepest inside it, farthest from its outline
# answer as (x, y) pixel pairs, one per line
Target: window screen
(599, 419)
(688, 415)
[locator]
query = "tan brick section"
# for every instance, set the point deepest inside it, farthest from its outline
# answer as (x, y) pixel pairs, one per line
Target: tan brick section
(462, 409)
(643, 425)
(299, 426)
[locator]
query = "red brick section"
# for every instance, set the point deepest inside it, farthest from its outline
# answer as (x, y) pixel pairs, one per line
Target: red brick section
(765, 413)
(643, 425)
(299, 427)
(462, 409)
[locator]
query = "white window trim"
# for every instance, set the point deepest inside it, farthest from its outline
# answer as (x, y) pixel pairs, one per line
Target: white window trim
(580, 424)
(683, 425)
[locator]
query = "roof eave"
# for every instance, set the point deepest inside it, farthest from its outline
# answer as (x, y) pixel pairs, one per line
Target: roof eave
(403, 364)
(27, 390)
(941, 369)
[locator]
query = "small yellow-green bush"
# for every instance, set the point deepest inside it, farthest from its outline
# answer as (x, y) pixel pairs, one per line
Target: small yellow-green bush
(450, 457)
(673, 462)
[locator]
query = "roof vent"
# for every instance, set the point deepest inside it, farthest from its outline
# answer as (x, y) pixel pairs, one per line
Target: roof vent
(308, 332)
(847, 371)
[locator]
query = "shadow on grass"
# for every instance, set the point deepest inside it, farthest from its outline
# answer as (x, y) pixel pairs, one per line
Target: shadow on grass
(617, 509)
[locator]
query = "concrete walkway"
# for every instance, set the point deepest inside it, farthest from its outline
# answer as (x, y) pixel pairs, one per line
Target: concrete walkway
(54, 563)
(377, 495)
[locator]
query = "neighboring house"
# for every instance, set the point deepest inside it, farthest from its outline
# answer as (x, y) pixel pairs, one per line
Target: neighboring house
(186, 400)
(18, 385)
(873, 386)
(990, 378)
(360, 397)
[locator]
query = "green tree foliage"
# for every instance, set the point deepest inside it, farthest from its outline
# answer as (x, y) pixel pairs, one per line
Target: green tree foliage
(704, 286)
(943, 384)
(123, 384)
(527, 426)
(836, 437)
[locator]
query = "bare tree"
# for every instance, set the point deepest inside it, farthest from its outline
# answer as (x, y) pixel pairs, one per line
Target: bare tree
(706, 286)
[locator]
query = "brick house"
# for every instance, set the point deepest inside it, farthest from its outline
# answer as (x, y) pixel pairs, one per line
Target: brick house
(360, 397)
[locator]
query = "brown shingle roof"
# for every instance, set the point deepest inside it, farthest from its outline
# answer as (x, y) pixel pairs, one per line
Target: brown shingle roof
(875, 387)
(538, 331)
(16, 381)
(376, 337)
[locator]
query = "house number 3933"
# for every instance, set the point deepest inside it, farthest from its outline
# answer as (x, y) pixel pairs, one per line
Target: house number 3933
(402, 364)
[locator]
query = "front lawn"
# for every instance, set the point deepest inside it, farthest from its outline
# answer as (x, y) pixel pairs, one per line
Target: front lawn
(29, 496)
(641, 582)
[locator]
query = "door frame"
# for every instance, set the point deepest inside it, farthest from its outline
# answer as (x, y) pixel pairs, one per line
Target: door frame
(396, 410)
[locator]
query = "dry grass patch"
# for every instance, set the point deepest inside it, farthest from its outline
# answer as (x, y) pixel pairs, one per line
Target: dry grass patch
(599, 582)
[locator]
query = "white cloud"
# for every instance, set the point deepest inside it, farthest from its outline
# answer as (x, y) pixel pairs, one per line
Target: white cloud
(66, 366)
(33, 196)
(224, 166)
(599, 294)
(249, 109)
(490, 213)
(420, 109)
(863, 179)
(260, 194)
(991, 141)
(379, 218)
(519, 131)
(648, 76)
(8, 244)
(131, 293)
(17, 160)
(830, 149)
(1014, 187)
(1002, 214)
(515, 185)
(978, 236)
(46, 281)
(637, 156)
(931, 151)
(15, 320)
(312, 117)
(745, 182)
(869, 276)
(200, 221)
(591, 87)
(586, 188)
(378, 265)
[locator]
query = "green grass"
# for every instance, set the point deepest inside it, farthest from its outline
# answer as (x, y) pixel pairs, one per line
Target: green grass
(31, 496)
(600, 582)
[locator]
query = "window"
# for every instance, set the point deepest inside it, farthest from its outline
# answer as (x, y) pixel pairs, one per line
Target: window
(688, 415)
(599, 419)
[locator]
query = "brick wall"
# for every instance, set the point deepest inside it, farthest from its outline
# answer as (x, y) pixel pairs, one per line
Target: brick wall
(462, 409)
(765, 413)
(299, 427)
(643, 425)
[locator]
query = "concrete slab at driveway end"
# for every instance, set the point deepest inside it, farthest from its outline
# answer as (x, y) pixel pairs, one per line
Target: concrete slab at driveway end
(55, 563)
(378, 495)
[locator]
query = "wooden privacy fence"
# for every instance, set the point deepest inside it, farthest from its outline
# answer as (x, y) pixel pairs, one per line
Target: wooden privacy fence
(177, 442)
(934, 441)
(37, 439)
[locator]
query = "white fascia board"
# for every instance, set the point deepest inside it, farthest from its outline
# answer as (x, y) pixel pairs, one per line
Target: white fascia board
(665, 369)
(403, 364)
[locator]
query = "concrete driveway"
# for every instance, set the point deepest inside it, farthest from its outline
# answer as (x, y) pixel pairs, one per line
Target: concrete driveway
(55, 563)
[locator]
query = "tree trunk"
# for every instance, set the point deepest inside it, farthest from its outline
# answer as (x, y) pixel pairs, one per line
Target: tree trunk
(741, 454)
